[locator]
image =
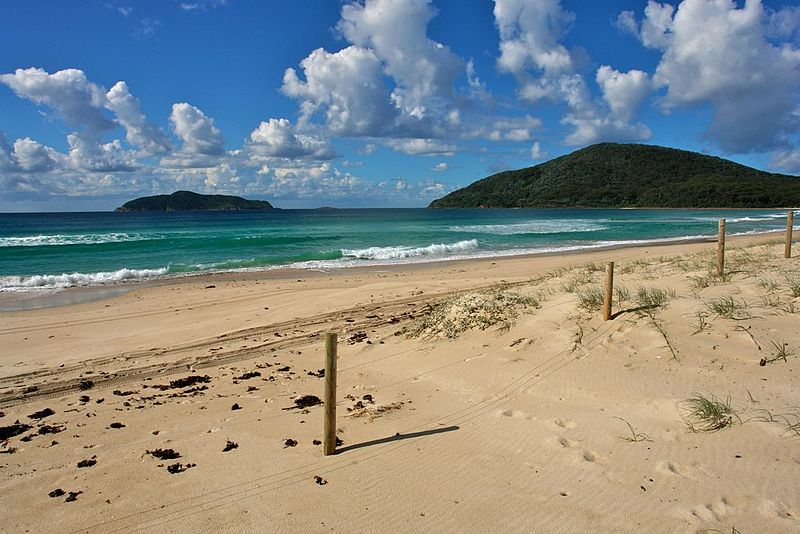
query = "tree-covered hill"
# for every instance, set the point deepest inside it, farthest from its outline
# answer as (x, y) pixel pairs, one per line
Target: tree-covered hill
(187, 200)
(630, 175)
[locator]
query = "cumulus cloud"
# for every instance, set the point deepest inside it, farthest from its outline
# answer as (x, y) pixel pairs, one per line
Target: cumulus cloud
(99, 157)
(396, 31)
(31, 156)
(77, 100)
(623, 91)
(347, 87)
(787, 160)
(277, 138)
(147, 136)
(196, 131)
(531, 50)
(441, 167)
(718, 53)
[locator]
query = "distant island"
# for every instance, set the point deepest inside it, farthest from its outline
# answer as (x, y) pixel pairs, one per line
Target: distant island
(187, 200)
(610, 175)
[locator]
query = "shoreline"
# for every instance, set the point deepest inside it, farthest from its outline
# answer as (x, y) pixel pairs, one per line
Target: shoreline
(44, 297)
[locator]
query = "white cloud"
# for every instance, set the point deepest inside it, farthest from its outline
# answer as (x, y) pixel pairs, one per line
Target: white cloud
(440, 167)
(626, 23)
(623, 91)
(422, 147)
(77, 100)
(31, 156)
(196, 130)
(529, 35)
(148, 137)
(536, 151)
(277, 138)
(347, 87)
(717, 53)
(530, 49)
(97, 157)
(396, 31)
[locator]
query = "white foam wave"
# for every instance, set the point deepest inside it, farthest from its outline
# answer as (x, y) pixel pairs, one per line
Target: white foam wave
(78, 239)
(531, 227)
(59, 281)
(400, 252)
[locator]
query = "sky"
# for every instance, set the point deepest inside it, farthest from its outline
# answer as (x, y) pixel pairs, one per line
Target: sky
(374, 103)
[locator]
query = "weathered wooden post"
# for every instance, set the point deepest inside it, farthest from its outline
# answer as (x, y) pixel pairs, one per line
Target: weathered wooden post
(721, 248)
(789, 224)
(609, 291)
(329, 430)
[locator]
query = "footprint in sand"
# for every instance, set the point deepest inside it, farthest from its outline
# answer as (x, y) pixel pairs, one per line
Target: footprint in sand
(672, 468)
(715, 511)
(568, 443)
(565, 423)
(774, 509)
(517, 414)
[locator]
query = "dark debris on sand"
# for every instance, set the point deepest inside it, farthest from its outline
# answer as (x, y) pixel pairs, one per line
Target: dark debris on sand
(236, 406)
(51, 429)
(86, 384)
(317, 374)
(290, 443)
(116, 425)
(230, 445)
(248, 375)
(305, 401)
(119, 393)
(319, 480)
(89, 462)
(58, 492)
(164, 454)
(73, 496)
(13, 430)
(184, 382)
(41, 414)
(179, 468)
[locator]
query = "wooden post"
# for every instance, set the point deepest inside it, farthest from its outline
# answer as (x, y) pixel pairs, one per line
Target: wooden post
(329, 430)
(721, 248)
(789, 223)
(609, 291)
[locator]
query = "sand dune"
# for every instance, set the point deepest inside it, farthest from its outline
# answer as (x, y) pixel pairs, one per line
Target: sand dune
(560, 422)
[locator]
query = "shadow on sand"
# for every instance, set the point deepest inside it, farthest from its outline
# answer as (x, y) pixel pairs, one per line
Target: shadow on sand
(397, 437)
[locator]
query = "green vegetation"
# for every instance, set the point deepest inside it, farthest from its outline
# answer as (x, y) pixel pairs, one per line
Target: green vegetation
(708, 414)
(186, 200)
(629, 175)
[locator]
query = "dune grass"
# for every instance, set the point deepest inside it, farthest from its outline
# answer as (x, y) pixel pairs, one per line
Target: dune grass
(708, 413)
(729, 307)
(591, 299)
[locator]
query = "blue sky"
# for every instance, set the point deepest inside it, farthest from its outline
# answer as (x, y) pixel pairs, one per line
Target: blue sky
(376, 102)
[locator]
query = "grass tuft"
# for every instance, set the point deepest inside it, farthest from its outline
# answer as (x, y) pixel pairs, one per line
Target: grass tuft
(708, 414)
(729, 307)
(591, 299)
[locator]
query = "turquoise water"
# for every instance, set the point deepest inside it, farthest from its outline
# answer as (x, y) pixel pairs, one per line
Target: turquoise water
(51, 250)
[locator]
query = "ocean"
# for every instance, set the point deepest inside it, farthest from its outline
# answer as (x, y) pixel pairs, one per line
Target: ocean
(58, 250)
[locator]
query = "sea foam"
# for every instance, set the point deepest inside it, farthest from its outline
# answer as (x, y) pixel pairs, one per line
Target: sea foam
(401, 252)
(77, 239)
(58, 281)
(531, 227)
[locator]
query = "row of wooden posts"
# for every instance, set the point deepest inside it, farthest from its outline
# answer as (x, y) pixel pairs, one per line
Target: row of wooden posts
(609, 286)
(329, 427)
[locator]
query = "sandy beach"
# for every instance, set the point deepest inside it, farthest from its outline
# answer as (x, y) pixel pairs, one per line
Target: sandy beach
(474, 396)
